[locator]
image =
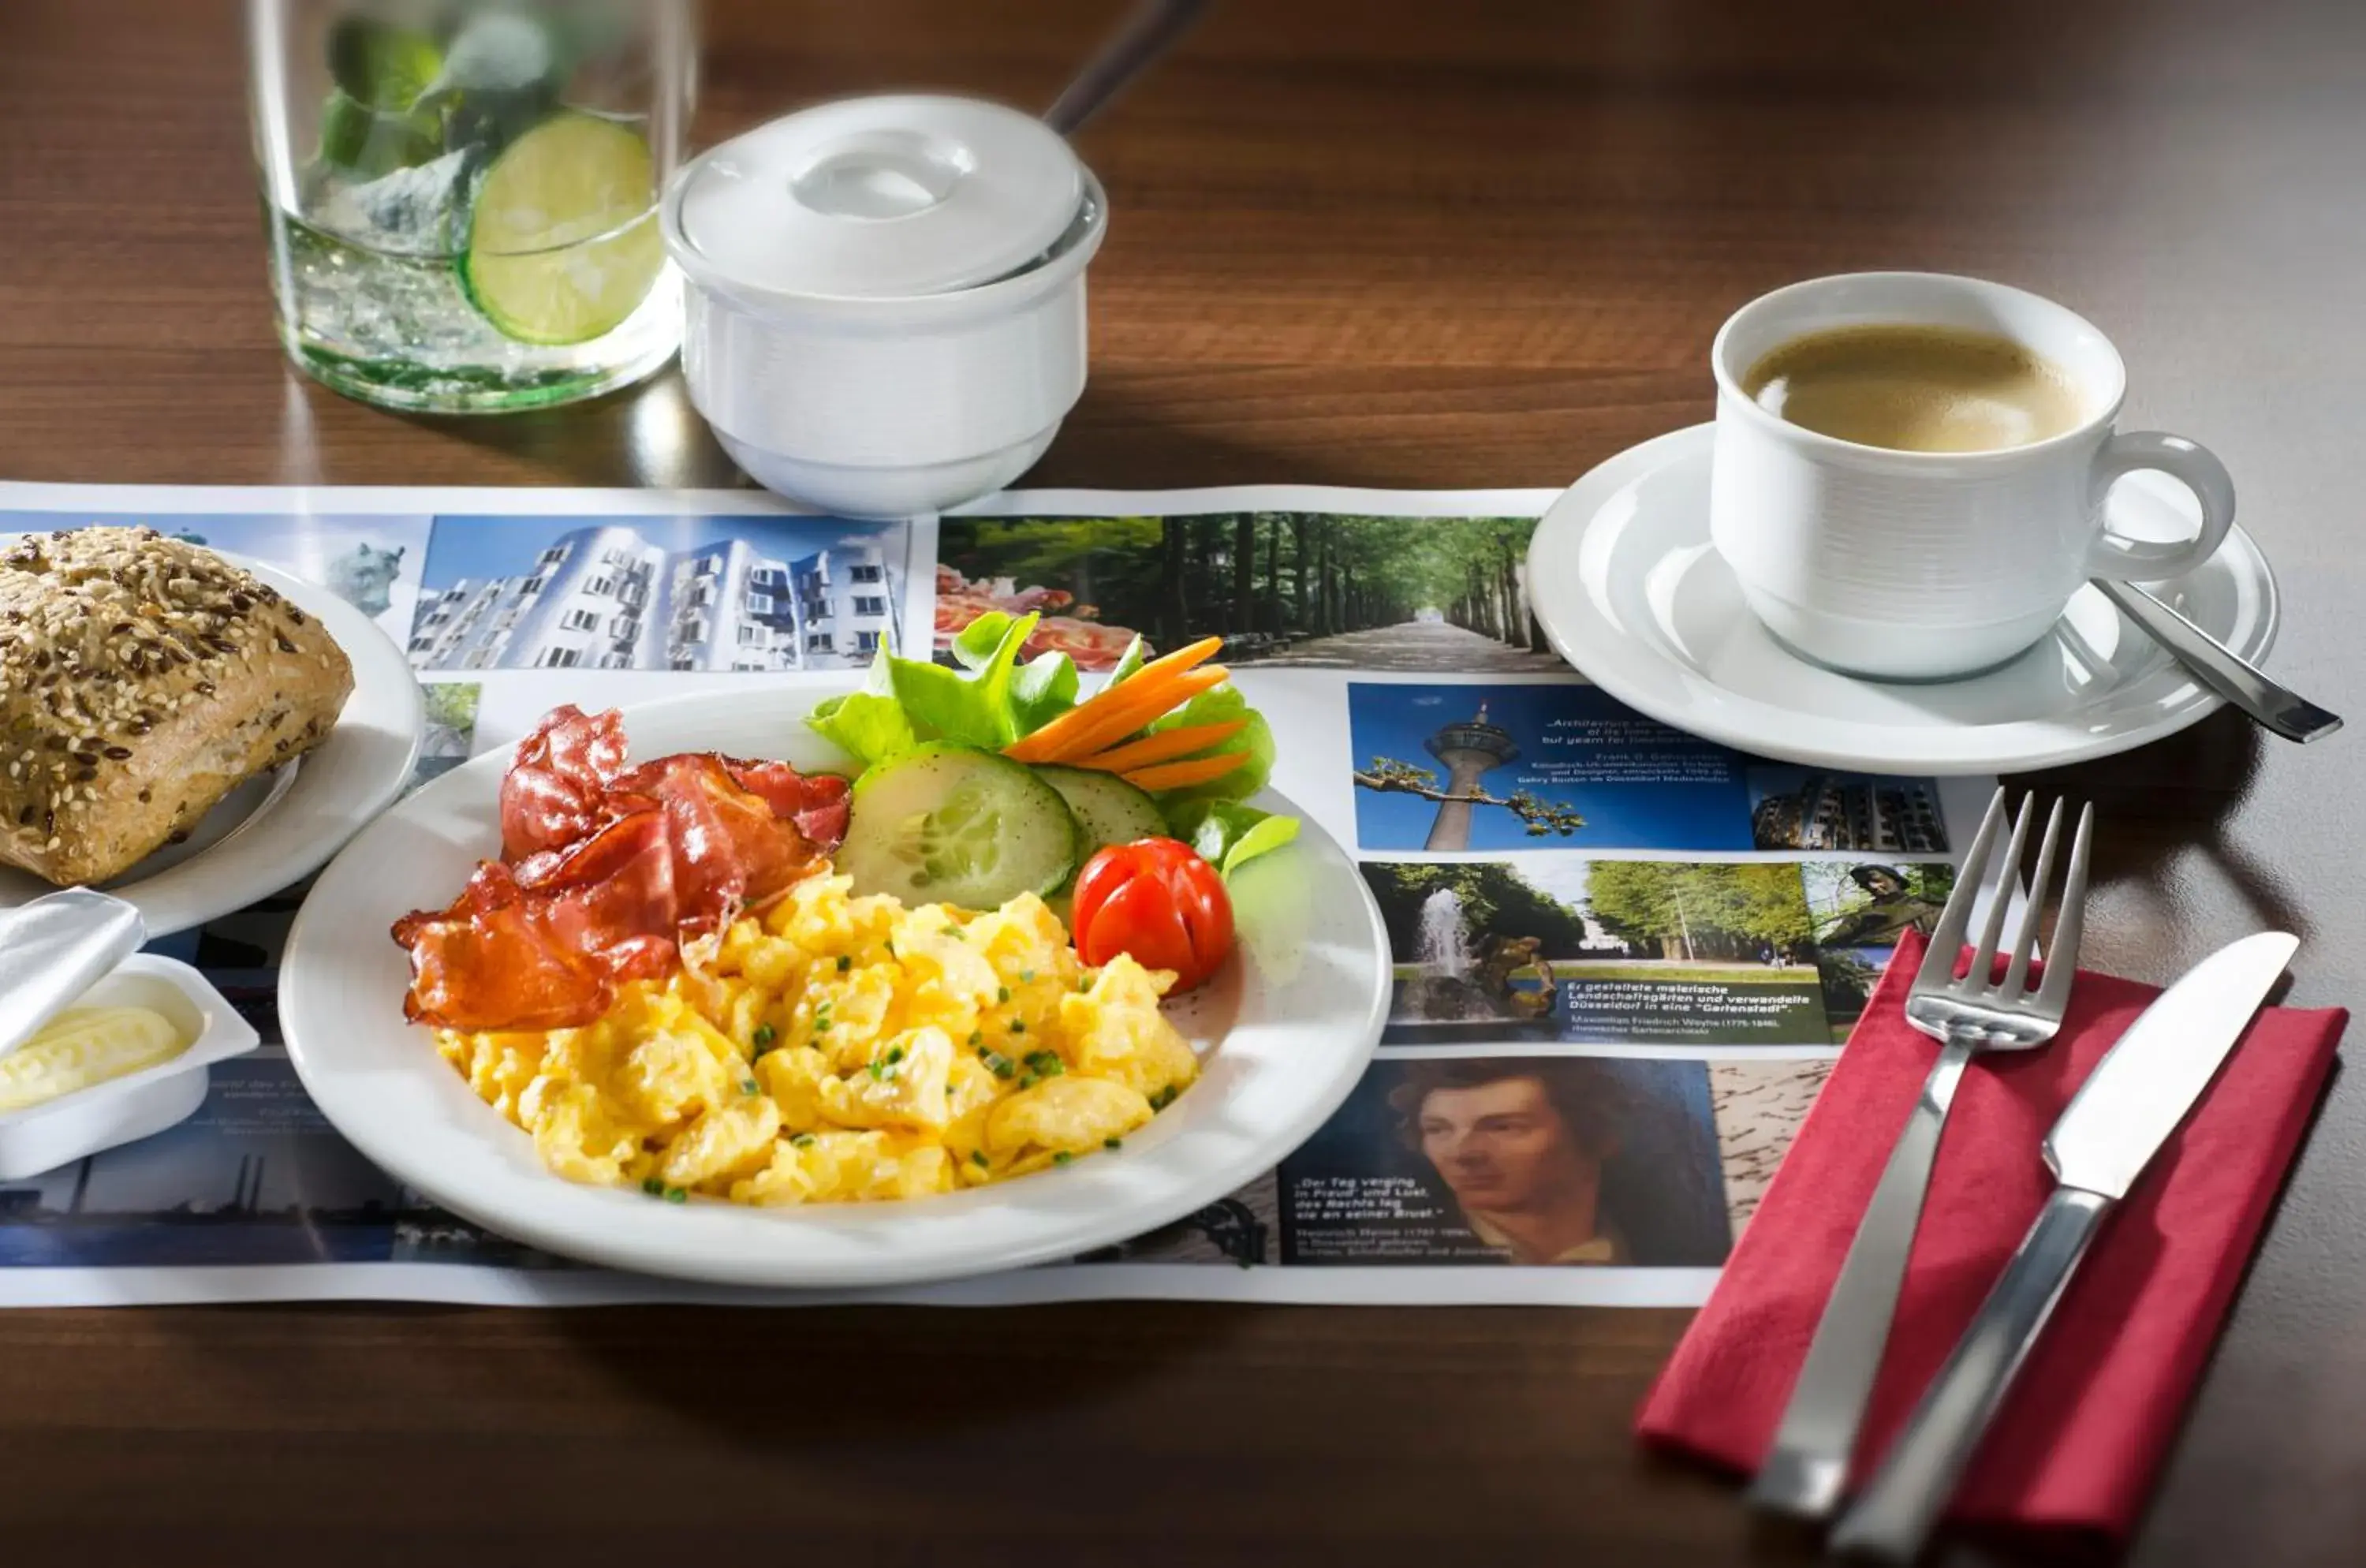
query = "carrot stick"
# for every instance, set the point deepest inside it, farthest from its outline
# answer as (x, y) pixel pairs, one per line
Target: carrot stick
(1123, 719)
(1178, 775)
(1111, 715)
(1163, 747)
(1056, 736)
(1179, 660)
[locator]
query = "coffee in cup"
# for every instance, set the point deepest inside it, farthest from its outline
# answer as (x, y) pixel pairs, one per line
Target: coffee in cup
(1913, 388)
(1910, 470)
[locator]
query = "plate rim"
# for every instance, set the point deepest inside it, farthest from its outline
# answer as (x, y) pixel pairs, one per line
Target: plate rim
(1566, 615)
(677, 1257)
(258, 857)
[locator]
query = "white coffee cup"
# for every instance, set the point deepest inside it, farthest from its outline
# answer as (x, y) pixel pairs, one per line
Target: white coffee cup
(1918, 566)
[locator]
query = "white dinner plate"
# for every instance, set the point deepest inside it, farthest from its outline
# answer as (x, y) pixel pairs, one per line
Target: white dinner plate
(1630, 590)
(280, 827)
(1283, 1033)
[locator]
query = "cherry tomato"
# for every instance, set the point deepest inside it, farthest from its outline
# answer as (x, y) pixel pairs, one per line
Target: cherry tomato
(1157, 900)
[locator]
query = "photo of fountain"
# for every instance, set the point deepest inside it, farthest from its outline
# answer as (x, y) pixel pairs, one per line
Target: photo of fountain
(1625, 952)
(1461, 989)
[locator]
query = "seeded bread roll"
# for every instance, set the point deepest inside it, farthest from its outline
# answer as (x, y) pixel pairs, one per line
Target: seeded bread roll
(142, 679)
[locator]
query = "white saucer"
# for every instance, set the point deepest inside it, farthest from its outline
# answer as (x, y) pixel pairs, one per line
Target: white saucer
(1626, 585)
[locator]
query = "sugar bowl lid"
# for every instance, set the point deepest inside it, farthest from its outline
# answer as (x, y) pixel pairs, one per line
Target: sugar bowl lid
(878, 198)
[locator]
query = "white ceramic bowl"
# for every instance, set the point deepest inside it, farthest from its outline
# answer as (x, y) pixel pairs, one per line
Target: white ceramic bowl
(881, 403)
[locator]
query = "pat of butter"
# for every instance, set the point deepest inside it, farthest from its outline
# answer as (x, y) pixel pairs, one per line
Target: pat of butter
(82, 1046)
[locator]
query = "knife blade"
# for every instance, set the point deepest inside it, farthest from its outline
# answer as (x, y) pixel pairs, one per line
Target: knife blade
(2131, 1104)
(2145, 1083)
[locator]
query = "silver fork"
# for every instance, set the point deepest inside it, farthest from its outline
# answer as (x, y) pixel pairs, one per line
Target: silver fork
(1806, 1470)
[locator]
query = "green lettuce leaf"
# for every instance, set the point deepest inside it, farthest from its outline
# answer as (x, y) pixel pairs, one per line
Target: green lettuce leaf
(1130, 663)
(866, 725)
(987, 703)
(1042, 690)
(976, 644)
(1228, 835)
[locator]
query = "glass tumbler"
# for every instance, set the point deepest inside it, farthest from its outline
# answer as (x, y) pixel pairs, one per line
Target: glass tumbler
(462, 195)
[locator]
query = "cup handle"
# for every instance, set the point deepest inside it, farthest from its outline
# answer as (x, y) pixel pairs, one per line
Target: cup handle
(2122, 558)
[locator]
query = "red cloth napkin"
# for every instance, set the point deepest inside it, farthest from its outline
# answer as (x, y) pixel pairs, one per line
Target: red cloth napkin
(2078, 1442)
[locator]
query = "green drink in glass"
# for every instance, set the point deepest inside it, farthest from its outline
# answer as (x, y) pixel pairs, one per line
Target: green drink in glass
(461, 195)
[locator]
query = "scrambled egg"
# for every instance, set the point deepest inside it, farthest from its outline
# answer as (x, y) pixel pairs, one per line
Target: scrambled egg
(840, 1049)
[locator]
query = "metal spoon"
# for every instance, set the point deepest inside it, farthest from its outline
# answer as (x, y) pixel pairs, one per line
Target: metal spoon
(1156, 26)
(2218, 667)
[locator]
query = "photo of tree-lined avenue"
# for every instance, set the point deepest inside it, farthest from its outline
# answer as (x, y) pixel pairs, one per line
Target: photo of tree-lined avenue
(1307, 588)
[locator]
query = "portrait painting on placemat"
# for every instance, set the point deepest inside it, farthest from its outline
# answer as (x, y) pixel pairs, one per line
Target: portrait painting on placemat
(1531, 1160)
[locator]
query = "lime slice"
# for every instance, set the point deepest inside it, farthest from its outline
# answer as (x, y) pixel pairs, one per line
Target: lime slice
(563, 243)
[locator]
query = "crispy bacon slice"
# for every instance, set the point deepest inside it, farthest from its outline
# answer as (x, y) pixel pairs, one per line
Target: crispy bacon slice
(606, 868)
(555, 791)
(817, 803)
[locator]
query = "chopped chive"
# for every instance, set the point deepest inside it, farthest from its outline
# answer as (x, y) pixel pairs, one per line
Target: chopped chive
(1162, 1099)
(748, 1086)
(894, 1055)
(801, 1140)
(1018, 1026)
(1002, 993)
(1028, 1081)
(676, 1195)
(845, 963)
(653, 1185)
(977, 1159)
(1084, 983)
(1062, 1158)
(1027, 976)
(975, 1035)
(1112, 1143)
(763, 1037)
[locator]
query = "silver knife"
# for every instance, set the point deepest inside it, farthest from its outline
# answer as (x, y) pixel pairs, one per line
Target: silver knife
(2127, 1108)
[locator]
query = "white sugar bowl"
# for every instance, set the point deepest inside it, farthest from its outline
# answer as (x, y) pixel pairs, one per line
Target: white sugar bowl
(885, 297)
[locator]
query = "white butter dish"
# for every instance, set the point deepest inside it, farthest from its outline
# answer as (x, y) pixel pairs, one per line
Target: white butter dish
(140, 1104)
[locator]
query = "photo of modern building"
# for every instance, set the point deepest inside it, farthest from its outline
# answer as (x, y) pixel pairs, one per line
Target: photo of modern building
(751, 594)
(1807, 808)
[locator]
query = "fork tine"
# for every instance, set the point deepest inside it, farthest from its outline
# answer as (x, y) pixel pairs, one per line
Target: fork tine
(1947, 936)
(2063, 961)
(2024, 940)
(1984, 956)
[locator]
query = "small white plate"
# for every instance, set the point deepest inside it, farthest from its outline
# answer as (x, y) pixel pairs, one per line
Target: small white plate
(1283, 1033)
(281, 827)
(1630, 591)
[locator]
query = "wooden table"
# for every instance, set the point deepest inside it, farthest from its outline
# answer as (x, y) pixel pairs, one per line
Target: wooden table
(1365, 242)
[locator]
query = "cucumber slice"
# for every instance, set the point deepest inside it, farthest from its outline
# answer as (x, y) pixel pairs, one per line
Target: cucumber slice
(563, 241)
(946, 825)
(1108, 809)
